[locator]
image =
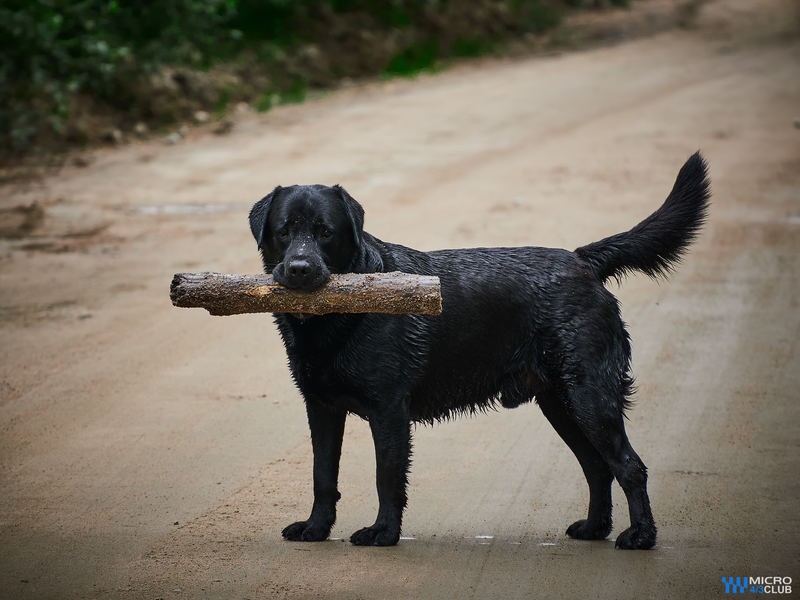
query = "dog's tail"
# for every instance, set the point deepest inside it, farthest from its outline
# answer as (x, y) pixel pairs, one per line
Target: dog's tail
(657, 244)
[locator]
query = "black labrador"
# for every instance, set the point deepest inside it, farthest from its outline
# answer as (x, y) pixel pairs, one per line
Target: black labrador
(518, 324)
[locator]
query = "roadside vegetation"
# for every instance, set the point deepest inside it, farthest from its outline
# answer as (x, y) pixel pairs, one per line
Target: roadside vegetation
(74, 72)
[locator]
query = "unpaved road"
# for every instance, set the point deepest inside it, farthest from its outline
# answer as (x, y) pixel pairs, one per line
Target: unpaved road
(151, 452)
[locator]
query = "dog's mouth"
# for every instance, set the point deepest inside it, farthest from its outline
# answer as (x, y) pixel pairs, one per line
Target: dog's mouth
(302, 278)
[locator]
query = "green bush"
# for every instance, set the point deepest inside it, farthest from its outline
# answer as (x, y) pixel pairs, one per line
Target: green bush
(54, 51)
(416, 58)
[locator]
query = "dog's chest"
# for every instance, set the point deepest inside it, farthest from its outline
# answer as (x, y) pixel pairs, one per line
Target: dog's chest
(322, 369)
(325, 384)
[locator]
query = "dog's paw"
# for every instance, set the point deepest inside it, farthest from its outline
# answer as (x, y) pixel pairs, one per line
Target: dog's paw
(637, 537)
(306, 531)
(375, 536)
(585, 530)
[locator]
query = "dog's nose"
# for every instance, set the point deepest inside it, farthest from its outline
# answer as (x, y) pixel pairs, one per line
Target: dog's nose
(298, 270)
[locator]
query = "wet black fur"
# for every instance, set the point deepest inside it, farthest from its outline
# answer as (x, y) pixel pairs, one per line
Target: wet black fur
(517, 324)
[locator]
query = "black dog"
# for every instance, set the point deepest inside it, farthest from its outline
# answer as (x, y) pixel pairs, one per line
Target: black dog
(517, 324)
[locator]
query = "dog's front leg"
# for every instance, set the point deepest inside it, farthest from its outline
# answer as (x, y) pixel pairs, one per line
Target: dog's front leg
(327, 431)
(391, 433)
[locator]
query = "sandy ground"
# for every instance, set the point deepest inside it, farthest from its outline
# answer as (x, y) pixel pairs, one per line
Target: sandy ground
(151, 452)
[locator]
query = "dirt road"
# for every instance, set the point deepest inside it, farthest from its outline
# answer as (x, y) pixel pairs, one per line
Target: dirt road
(151, 452)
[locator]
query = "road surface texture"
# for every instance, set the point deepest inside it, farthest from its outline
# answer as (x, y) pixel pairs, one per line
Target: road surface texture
(154, 452)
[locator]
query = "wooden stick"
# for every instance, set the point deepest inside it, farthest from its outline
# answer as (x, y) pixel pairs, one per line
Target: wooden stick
(391, 293)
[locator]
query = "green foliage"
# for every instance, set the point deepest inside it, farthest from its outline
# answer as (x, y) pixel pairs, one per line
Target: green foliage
(294, 95)
(414, 59)
(54, 51)
(222, 103)
(273, 20)
(471, 47)
(388, 13)
(537, 15)
(598, 3)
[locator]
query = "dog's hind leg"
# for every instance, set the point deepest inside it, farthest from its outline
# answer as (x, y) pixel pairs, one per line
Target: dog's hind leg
(599, 415)
(631, 473)
(391, 434)
(597, 525)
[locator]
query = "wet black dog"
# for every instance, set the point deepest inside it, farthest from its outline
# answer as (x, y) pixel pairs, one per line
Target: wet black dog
(517, 324)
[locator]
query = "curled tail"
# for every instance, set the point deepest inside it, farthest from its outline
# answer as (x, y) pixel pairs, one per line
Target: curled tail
(658, 243)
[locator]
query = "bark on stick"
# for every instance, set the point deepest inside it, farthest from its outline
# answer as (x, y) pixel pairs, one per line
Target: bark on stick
(227, 294)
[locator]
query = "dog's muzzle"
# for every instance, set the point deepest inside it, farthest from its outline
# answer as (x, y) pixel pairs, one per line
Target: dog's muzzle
(301, 274)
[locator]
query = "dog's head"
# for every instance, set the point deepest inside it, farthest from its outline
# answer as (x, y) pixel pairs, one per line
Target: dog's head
(307, 232)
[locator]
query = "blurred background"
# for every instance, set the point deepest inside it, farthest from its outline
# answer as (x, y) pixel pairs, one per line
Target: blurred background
(74, 73)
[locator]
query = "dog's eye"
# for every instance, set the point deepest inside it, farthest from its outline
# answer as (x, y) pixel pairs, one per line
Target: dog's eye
(325, 233)
(283, 233)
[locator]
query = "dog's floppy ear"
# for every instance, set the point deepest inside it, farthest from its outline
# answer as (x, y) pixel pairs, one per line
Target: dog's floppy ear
(259, 214)
(355, 212)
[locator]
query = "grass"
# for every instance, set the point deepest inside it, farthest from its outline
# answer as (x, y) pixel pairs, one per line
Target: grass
(294, 95)
(416, 59)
